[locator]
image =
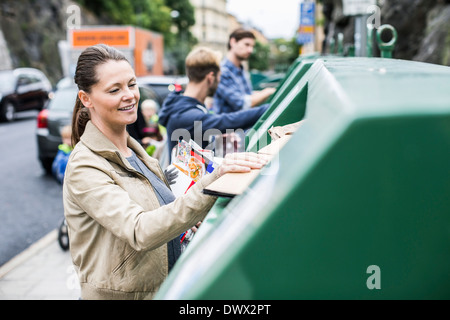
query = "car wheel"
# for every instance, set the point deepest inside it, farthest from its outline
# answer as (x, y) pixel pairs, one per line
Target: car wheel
(47, 165)
(8, 112)
(42, 104)
(63, 236)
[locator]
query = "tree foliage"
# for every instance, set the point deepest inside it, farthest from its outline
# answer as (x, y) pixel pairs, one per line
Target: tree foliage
(155, 15)
(259, 60)
(183, 41)
(285, 53)
(148, 14)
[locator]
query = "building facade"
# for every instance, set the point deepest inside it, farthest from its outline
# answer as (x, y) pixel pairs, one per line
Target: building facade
(212, 24)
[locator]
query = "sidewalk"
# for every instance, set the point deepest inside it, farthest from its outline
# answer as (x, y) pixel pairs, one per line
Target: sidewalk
(42, 272)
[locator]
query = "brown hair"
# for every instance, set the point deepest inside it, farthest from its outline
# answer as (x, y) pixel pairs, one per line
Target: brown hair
(86, 77)
(200, 62)
(240, 34)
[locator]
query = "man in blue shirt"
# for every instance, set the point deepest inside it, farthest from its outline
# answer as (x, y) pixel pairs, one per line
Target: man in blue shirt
(185, 115)
(235, 91)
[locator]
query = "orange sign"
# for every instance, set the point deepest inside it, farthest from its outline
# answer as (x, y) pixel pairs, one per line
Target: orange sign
(306, 29)
(112, 37)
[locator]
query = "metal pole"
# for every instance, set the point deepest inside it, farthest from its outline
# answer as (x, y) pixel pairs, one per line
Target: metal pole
(361, 35)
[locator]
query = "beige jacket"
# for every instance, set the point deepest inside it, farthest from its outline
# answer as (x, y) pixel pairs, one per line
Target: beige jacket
(118, 232)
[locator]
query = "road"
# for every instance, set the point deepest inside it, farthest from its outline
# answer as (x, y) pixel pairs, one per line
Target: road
(30, 201)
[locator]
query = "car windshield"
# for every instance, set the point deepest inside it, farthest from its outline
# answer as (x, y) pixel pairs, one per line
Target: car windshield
(6, 81)
(64, 99)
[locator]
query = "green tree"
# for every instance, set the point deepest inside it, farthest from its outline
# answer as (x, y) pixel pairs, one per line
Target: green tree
(285, 53)
(148, 14)
(120, 11)
(259, 60)
(155, 15)
(183, 14)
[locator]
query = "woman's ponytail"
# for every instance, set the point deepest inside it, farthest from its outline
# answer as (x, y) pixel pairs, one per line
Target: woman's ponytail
(80, 118)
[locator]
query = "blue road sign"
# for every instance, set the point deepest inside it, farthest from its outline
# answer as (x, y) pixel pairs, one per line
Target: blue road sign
(307, 13)
(307, 22)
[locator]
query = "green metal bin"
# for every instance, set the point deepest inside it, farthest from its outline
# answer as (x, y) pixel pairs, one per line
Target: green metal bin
(292, 87)
(356, 205)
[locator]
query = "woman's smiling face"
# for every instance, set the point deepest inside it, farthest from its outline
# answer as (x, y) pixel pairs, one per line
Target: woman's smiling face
(113, 101)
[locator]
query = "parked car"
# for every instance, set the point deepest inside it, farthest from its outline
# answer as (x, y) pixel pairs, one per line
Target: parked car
(22, 89)
(58, 113)
(163, 85)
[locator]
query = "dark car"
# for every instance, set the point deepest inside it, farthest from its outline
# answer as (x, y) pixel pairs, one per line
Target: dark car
(163, 85)
(22, 89)
(58, 113)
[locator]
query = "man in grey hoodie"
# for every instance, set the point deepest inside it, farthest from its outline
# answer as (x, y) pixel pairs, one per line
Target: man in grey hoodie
(185, 115)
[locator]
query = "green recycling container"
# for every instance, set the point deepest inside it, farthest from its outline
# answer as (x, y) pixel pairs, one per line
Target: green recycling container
(355, 206)
(282, 98)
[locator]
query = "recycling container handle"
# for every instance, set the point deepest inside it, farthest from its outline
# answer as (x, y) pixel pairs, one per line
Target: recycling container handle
(386, 48)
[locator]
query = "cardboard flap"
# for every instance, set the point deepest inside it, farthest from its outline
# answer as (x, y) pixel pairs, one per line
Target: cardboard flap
(231, 184)
(278, 132)
(275, 147)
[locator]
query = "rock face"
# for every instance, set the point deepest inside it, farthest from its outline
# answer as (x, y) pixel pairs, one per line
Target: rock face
(423, 27)
(5, 58)
(32, 30)
(435, 46)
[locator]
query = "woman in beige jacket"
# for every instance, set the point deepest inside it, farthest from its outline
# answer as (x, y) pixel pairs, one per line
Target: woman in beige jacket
(123, 219)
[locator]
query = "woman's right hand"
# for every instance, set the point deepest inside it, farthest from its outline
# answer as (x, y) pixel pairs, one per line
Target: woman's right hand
(242, 162)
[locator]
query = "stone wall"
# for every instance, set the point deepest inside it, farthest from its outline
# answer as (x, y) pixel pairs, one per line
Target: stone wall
(5, 58)
(32, 30)
(423, 27)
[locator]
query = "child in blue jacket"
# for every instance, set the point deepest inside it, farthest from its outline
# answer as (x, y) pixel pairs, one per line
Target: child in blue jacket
(64, 150)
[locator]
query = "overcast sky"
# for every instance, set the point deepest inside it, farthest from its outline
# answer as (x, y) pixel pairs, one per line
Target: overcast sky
(276, 18)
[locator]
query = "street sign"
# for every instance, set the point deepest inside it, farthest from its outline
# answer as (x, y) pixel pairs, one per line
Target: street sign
(307, 23)
(356, 7)
(117, 37)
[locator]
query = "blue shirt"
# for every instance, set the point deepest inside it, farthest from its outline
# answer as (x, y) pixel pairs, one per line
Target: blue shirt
(163, 193)
(165, 196)
(234, 90)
